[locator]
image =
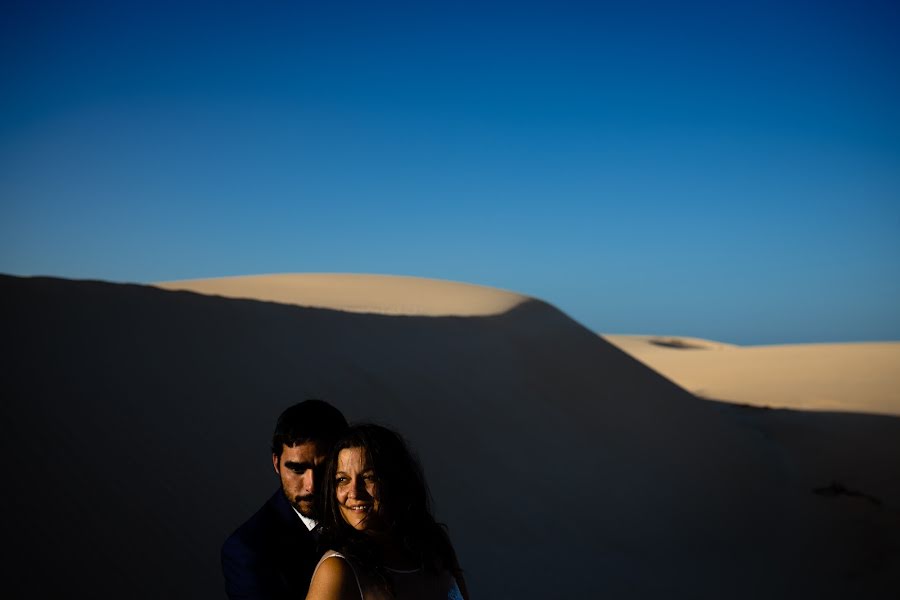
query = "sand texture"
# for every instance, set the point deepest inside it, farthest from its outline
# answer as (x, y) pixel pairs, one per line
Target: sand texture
(860, 377)
(137, 423)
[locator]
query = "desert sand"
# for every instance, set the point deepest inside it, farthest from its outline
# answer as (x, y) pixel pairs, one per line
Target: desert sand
(138, 420)
(375, 294)
(851, 377)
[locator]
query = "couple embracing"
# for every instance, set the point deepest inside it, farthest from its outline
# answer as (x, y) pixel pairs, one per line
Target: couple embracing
(352, 520)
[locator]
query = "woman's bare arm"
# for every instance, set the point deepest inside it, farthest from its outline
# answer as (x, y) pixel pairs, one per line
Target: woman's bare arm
(334, 580)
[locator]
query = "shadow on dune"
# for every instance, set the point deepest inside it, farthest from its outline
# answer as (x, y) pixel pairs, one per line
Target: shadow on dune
(137, 423)
(677, 344)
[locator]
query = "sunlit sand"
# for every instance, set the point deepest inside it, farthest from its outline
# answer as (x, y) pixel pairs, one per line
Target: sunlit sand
(378, 294)
(852, 377)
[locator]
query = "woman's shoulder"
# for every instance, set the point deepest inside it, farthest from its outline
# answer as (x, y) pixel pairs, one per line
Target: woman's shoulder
(330, 554)
(334, 579)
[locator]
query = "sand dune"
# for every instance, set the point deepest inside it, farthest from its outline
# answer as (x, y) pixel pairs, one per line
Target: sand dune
(138, 422)
(860, 377)
(376, 294)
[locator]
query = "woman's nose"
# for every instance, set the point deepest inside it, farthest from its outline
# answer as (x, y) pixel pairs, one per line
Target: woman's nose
(358, 489)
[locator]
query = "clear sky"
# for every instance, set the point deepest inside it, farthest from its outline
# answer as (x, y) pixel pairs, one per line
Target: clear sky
(721, 170)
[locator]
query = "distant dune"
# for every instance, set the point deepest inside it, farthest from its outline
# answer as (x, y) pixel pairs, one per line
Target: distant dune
(137, 422)
(859, 377)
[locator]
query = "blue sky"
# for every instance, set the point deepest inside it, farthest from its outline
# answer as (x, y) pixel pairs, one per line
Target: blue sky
(704, 169)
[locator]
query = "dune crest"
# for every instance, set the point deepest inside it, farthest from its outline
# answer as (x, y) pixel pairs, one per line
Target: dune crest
(374, 294)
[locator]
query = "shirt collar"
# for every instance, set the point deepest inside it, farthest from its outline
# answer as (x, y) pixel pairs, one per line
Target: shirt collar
(310, 523)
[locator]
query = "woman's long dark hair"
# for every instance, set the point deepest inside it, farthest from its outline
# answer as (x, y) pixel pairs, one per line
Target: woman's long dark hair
(405, 506)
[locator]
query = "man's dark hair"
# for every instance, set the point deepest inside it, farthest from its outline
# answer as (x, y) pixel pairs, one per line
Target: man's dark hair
(308, 421)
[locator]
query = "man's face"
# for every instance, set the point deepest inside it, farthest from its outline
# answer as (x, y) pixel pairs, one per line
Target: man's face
(298, 468)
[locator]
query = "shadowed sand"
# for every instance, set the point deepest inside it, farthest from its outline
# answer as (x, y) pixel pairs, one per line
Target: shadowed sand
(860, 377)
(137, 425)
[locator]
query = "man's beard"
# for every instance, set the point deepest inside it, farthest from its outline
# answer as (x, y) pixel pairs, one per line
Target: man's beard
(306, 505)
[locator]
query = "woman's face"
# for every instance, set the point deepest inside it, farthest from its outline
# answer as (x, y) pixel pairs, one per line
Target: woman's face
(357, 490)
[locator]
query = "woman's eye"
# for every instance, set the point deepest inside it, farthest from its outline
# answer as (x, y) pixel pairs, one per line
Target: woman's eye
(340, 480)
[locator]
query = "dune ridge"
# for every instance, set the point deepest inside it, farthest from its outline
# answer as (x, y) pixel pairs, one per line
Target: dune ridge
(360, 293)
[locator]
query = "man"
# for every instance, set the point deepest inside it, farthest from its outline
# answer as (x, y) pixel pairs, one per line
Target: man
(272, 555)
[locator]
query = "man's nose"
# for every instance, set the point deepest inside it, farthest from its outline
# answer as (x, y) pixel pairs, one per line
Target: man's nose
(309, 481)
(316, 474)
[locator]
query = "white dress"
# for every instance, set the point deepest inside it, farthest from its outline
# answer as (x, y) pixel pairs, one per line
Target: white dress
(414, 584)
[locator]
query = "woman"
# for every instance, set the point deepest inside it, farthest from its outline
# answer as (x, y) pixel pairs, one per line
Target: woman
(386, 543)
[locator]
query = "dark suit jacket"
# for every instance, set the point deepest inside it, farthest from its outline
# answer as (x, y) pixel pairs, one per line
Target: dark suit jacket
(271, 556)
